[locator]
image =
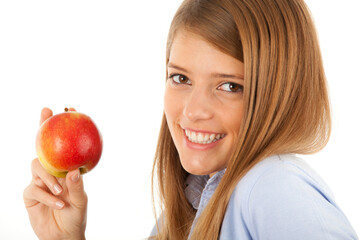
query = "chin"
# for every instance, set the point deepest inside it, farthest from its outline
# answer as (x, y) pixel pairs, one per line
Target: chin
(197, 168)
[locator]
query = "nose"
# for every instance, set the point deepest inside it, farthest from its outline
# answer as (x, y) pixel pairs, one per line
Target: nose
(198, 105)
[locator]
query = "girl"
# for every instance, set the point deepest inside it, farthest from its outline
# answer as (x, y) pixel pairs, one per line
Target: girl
(245, 92)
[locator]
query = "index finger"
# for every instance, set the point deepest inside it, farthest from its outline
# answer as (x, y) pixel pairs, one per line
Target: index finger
(40, 175)
(45, 114)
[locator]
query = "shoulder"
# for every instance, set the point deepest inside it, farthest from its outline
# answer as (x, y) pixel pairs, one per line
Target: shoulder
(281, 175)
(286, 176)
(283, 198)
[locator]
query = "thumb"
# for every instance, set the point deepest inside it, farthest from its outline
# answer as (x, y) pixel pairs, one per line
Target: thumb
(75, 185)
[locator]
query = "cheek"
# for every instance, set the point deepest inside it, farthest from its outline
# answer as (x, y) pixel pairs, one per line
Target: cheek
(167, 105)
(172, 105)
(170, 110)
(233, 118)
(237, 120)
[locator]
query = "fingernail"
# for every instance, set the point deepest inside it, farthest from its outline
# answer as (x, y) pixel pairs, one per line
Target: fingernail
(75, 177)
(57, 189)
(59, 205)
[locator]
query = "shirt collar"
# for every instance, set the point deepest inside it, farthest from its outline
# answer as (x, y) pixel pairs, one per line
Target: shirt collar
(201, 186)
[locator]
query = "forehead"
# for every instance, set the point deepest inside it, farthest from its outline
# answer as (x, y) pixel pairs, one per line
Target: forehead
(191, 51)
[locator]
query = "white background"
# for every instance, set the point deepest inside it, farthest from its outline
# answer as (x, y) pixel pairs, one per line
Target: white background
(107, 59)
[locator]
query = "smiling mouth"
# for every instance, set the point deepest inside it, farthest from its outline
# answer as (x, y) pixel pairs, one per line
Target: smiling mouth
(203, 138)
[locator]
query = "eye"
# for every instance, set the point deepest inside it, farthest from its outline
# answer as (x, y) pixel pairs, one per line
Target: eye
(180, 79)
(231, 87)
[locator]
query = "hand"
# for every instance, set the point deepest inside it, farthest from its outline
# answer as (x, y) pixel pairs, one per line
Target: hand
(56, 206)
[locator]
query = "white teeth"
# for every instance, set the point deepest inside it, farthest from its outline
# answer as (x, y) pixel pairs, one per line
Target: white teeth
(203, 138)
(206, 138)
(193, 136)
(200, 137)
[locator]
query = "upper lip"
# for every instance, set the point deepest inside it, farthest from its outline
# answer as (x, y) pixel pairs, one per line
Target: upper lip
(200, 130)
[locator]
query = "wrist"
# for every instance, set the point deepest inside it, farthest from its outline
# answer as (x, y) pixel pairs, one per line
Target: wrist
(81, 237)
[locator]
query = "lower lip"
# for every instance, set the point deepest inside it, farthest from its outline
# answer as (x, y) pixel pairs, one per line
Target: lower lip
(198, 146)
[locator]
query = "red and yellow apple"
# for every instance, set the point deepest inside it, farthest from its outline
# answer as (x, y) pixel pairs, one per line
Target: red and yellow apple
(68, 141)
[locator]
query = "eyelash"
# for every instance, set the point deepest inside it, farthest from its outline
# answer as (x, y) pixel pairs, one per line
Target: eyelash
(180, 75)
(171, 77)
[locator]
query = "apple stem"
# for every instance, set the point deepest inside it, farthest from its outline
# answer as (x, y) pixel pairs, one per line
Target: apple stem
(66, 109)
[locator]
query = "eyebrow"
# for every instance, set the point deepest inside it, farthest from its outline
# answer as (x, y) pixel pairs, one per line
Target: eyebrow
(216, 75)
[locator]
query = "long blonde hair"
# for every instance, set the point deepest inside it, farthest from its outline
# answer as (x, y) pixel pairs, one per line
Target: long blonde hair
(286, 106)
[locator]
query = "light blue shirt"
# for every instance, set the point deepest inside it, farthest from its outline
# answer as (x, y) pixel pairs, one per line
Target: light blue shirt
(280, 198)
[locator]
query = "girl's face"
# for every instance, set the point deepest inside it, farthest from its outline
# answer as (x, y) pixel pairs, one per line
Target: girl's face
(203, 103)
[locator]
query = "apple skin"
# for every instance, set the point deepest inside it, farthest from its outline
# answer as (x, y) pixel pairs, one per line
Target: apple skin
(68, 141)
